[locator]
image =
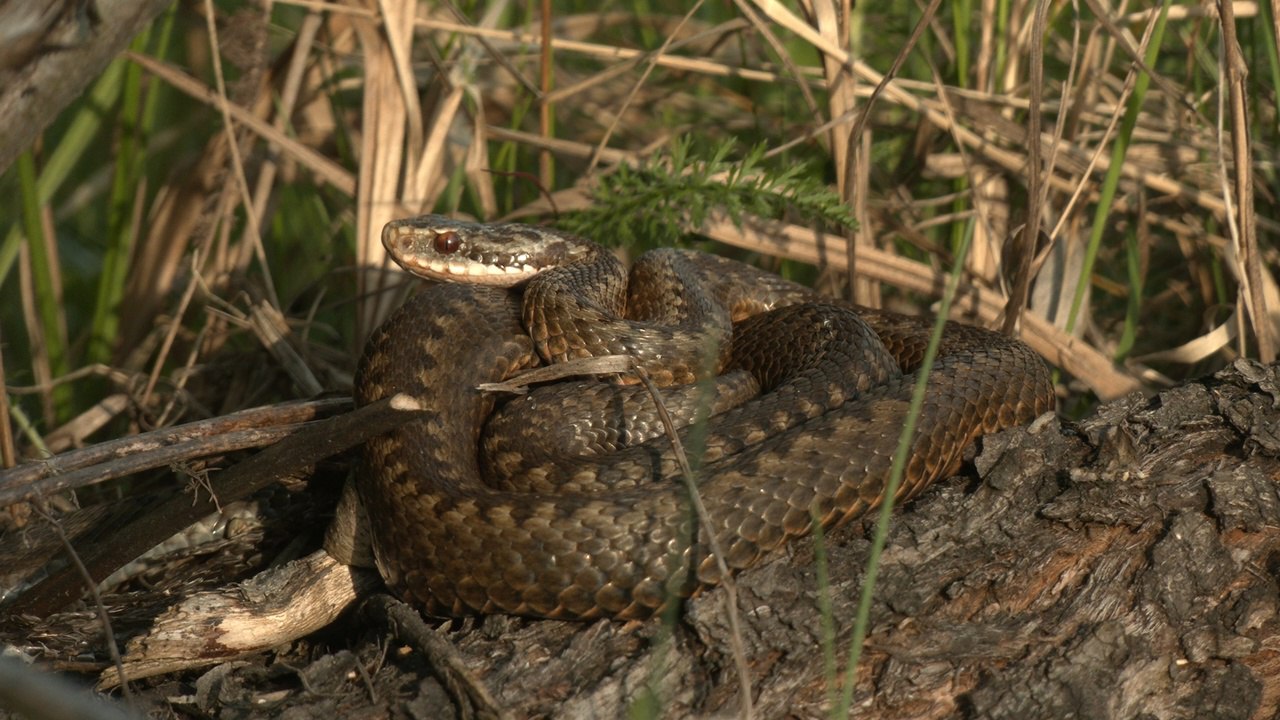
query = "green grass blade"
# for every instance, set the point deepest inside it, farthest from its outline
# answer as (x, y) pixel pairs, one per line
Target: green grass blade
(1002, 42)
(962, 19)
(895, 478)
(1134, 306)
(130, 156)
(1266, 31)
(48, 302)
(827, 631)
(1112, 179)
(72, 147)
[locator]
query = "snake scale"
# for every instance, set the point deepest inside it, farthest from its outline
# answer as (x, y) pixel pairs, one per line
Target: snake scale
(608, 531)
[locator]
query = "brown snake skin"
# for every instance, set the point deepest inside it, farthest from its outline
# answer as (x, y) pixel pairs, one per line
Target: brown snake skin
(614, 535)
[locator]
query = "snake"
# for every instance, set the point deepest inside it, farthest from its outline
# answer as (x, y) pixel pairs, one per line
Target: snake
(609, 529)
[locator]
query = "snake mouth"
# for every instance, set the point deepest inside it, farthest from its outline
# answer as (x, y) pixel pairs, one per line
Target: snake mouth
(469, 269)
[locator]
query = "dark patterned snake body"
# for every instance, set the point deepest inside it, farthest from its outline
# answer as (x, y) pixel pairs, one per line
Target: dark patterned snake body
(613, 535)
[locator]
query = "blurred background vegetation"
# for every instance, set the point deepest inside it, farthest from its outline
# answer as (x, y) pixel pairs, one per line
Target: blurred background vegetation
(199, 232)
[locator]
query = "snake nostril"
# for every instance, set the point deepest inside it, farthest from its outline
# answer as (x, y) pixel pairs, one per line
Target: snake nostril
(448, 242)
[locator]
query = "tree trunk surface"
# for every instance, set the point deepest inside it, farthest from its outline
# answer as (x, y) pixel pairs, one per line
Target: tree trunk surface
(62, 46)
(1121, 567)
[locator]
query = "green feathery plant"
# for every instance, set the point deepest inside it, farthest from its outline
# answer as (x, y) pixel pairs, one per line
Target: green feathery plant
(657, 202)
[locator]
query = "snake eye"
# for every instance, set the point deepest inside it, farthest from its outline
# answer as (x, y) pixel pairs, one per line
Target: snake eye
(448, 242)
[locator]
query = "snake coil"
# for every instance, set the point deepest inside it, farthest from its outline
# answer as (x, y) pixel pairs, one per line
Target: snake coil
(608, 534)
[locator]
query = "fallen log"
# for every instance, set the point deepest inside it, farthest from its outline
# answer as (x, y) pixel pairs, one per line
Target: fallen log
(1123, 566)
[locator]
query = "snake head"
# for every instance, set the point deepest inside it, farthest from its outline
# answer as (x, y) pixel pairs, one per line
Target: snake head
(440, 248)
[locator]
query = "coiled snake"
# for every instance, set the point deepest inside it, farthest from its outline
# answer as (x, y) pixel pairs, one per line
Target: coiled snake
(612, 534)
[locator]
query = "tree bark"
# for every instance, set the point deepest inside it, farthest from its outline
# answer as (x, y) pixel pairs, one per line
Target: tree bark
(1123, 567)
(52, 52)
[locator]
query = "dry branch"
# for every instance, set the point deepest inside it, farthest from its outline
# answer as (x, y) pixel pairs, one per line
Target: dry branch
(292, 455)
(44, 82)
